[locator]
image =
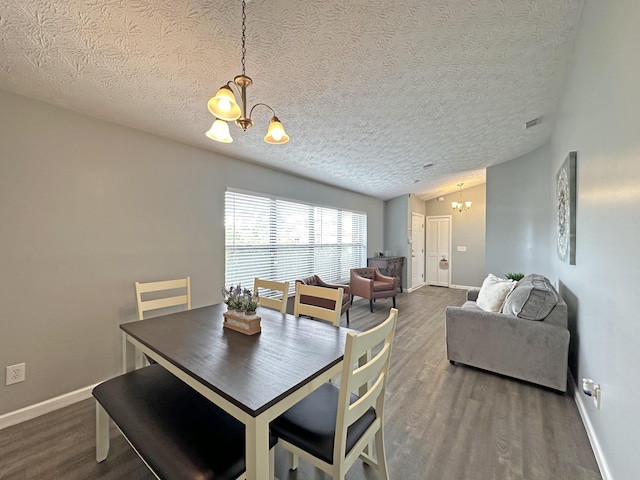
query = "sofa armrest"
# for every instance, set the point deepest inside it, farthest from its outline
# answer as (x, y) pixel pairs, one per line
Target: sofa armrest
(472, 294)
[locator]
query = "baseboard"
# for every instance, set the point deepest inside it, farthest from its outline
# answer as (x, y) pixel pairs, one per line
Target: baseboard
(593, 439)
(413, 289)
(33, 411)
(461, 287)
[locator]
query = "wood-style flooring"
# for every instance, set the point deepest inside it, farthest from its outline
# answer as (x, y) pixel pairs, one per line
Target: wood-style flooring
(443, 422)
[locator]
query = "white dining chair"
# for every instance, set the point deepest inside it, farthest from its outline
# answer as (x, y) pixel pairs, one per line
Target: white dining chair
(315, 311)
(155, 303)
(316, 427)
(277, 303)
(181, 295)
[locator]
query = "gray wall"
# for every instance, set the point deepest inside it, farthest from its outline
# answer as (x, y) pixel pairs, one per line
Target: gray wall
(599, 117)
(518, 203)
(87, 208)
(468, 229)
(397, 213)
(395, 229)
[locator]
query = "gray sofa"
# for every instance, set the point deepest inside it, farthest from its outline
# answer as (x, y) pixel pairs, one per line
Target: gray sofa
(529, 342)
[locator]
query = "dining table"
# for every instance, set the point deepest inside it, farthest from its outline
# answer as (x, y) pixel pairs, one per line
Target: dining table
(255, 378)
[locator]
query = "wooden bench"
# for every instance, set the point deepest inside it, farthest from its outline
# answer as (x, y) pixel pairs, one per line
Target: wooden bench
(177, 432)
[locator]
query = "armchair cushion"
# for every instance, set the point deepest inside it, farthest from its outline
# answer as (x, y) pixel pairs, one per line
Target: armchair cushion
(379, 286)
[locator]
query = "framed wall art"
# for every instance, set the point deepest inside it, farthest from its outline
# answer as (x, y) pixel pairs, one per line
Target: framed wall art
(566, 209)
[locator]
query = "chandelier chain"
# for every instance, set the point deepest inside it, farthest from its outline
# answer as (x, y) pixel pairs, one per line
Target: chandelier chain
(224, 107)
(244, 50)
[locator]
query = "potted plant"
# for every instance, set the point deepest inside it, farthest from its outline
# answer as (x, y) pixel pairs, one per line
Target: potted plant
(233, 298)
(249, 304)
(514, 276)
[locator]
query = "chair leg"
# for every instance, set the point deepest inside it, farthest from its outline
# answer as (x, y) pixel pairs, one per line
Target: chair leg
(347, 318)
(394, 302)
(351, 298)
(293, 460)
(381, 458)
(272, 464)
(371, 305)
(102, 433)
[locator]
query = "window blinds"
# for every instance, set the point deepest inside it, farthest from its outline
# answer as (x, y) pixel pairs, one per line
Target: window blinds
(281, 240)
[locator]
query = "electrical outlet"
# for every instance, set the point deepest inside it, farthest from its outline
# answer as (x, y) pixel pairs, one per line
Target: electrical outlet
(15, 373)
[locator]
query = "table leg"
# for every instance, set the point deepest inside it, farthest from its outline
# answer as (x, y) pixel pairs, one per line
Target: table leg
(128, 355)
(257, 449)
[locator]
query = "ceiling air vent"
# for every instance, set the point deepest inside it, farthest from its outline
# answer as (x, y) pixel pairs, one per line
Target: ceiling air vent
(531, 123)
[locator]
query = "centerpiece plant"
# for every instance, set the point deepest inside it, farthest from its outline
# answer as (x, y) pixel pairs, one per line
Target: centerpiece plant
(240, 300)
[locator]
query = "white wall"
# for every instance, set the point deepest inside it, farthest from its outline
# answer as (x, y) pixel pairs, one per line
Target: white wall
(599, 117)
(86, 209)
(468, 230)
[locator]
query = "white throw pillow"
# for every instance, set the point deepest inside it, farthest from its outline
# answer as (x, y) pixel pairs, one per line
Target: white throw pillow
(493, 292)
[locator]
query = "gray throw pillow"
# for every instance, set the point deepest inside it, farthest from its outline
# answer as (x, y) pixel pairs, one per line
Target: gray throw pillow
(533, 298)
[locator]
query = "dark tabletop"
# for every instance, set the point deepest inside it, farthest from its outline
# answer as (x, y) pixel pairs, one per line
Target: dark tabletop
(253, 372)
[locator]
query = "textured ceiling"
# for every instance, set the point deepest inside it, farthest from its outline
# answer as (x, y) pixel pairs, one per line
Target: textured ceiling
(369, 91)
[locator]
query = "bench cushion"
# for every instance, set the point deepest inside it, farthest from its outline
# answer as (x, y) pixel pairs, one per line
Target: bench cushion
(175, 430)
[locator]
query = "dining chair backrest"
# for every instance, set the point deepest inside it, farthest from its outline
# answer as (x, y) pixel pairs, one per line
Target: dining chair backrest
(322, 313)
(156, 303)
(279, 303)
(366, 374)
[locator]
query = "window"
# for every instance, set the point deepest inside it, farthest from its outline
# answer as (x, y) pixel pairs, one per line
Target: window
(282, 240)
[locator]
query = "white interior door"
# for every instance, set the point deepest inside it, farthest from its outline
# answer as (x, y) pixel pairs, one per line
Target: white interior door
(417, 250)
(439, 250)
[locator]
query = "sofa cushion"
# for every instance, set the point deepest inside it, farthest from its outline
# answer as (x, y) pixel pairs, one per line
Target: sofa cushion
(533, 298)
(493, 292)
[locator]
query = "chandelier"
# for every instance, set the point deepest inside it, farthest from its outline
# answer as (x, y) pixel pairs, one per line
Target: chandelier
(460, 206)
(225, 108)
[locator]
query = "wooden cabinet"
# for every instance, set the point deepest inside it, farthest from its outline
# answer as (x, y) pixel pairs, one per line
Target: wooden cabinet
(391, 266)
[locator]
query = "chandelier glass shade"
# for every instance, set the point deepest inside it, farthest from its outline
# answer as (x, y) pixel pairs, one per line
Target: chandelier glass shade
(276, 134)
(224, 105)
(461, 206)
(219, 132)
(225, 108)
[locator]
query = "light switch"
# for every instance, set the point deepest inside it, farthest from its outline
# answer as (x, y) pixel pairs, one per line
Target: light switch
(462, 248)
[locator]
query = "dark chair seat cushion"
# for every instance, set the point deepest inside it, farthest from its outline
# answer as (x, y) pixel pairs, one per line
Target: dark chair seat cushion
(179, 433)
(323, 302)
(315, 281)
(311, 423)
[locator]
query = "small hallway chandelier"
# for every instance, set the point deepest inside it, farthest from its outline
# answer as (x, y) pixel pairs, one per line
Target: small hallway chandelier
(460, 206)
(225, 108)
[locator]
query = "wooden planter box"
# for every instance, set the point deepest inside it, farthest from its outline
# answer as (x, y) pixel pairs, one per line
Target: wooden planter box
(242, 324)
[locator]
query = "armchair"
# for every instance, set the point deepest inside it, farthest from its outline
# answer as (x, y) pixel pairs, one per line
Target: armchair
(315, 280)
(369, 283)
